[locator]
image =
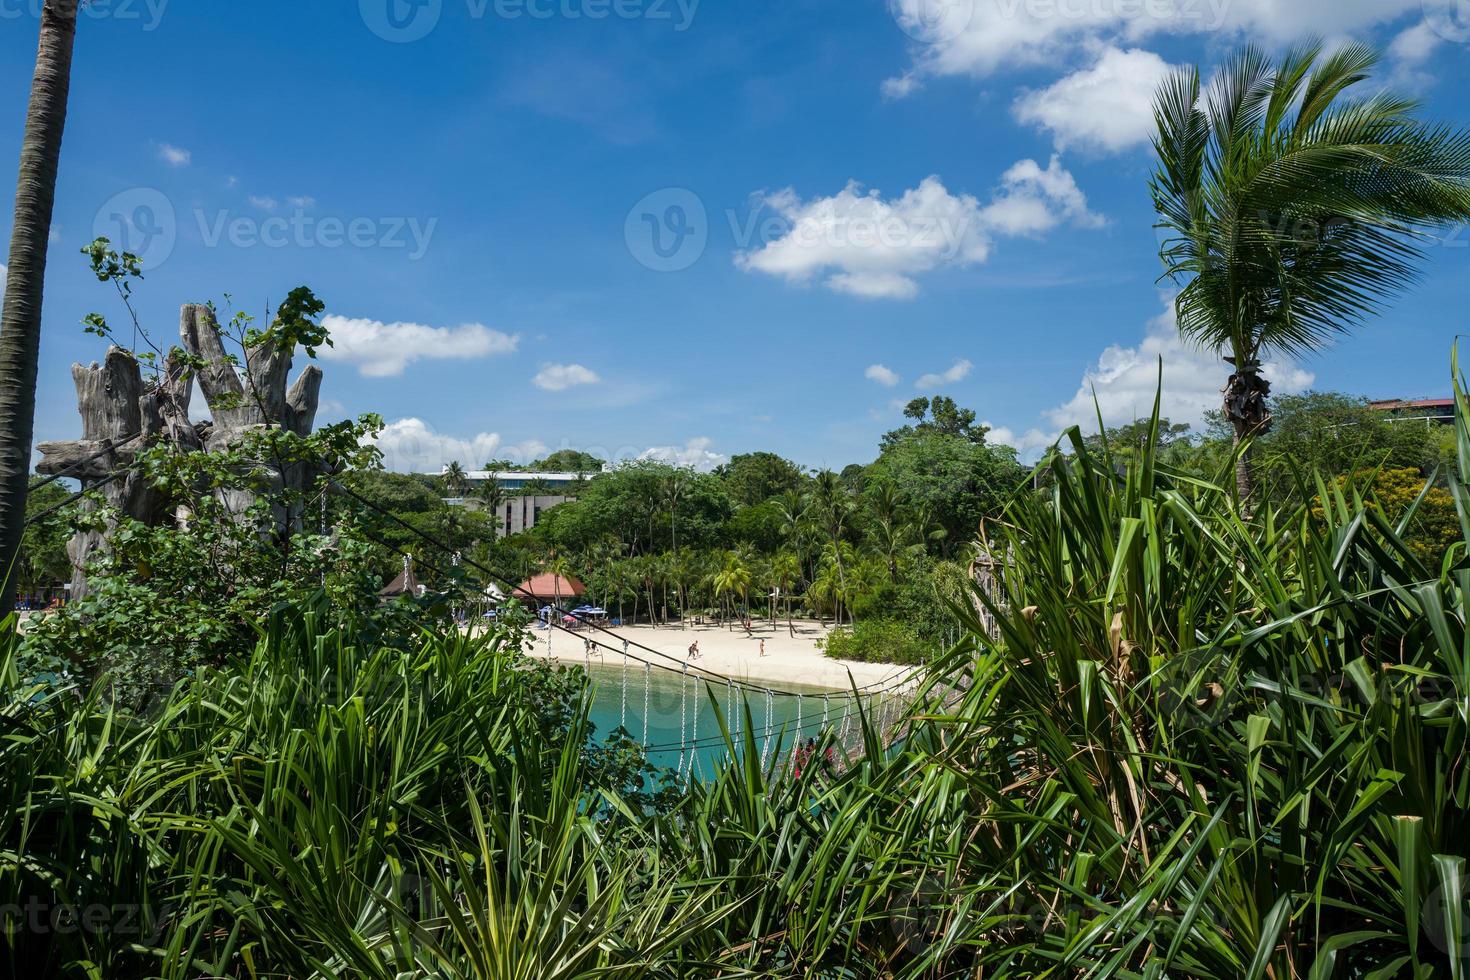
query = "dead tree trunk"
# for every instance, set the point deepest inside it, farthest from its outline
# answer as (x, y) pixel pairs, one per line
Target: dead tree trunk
(255, 402)
(121, 414)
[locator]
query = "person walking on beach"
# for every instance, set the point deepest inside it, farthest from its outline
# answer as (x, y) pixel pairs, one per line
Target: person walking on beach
(763, 646)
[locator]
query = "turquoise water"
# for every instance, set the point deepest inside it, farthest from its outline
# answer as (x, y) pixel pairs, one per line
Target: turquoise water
(673, 721)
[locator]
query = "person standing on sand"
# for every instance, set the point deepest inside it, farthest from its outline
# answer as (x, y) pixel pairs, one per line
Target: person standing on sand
(763, 646)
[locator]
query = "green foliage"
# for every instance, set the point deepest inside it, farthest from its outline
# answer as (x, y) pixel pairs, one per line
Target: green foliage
(1333, 433)
(1291, 205)
(948, 482)
(878, 641)
(938, 417)
(646, 506)
(1176, 743)
(754, 478)
(568, 461)
(43, 560)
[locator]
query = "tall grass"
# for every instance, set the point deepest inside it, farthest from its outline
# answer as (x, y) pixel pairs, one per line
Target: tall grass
(1195, 744)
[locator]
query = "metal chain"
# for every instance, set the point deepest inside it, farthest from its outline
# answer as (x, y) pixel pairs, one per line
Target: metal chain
(693, 739)
(647, 675)
(766, 748)
(623, 716)
(683, 714)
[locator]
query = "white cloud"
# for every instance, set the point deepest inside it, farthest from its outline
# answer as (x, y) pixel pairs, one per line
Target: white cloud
(1125, 378)
(998, 34)
(264, 203)
(384, 350)
(1033, 200)
(1026, 442)
(959, 372)
(301, 203)
(882, 375)
(560, 377)
(174, 156)
(901, 87)
(865, 246)
(694, 453)
(1107, 108)
(412, 446)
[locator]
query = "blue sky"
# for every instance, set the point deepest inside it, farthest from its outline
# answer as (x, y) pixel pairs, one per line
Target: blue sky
(855, 202)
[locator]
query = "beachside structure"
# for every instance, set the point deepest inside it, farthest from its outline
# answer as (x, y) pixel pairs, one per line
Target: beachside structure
(1430, 411)
(548, 588)
(518, 513)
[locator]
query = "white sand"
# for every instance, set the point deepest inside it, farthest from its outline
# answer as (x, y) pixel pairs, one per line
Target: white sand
(788, 660)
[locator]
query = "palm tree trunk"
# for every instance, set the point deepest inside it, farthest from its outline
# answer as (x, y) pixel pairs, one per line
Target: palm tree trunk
(1245, 408)
(20, 323)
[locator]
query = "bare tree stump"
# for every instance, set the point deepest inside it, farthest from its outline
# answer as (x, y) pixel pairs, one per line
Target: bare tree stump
(110, 399)
(121, 414)
(258, 400)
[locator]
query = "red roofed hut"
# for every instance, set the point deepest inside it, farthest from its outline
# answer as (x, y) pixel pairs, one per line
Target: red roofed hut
(547, 588)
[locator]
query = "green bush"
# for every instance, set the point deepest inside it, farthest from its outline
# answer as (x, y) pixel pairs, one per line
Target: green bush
(878, 641)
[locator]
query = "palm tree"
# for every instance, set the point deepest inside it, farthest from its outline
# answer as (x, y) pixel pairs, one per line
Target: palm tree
(20, 322)
(833, 507)
(891, 536)
(733, 578)
(492, 495)
(1290, 210)
(786, 570)
(455, 479)
(559, 568)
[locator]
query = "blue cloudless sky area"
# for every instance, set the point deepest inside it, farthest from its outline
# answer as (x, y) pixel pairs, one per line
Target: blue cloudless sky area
(613, 193)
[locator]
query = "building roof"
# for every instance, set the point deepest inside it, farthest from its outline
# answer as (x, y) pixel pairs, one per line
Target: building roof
(480, 476)
(546, 586)
(1395, 404)
(407, 583)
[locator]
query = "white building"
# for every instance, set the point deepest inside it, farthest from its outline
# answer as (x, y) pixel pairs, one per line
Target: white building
(518, 513)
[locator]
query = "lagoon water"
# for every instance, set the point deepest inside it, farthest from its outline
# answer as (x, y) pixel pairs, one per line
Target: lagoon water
(670, 698)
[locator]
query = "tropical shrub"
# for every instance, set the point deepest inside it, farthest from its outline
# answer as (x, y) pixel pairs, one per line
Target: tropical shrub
(877, 641)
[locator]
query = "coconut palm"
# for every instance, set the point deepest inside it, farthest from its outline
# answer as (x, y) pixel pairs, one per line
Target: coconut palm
(832, 505)
(20, 323)
(1292, 207)
(732, 579)
(455, 479)
(492, 495)
(786, 571)
(891, 537)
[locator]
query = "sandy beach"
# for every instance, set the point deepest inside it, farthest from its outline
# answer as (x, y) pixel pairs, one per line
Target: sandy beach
(788, 660)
